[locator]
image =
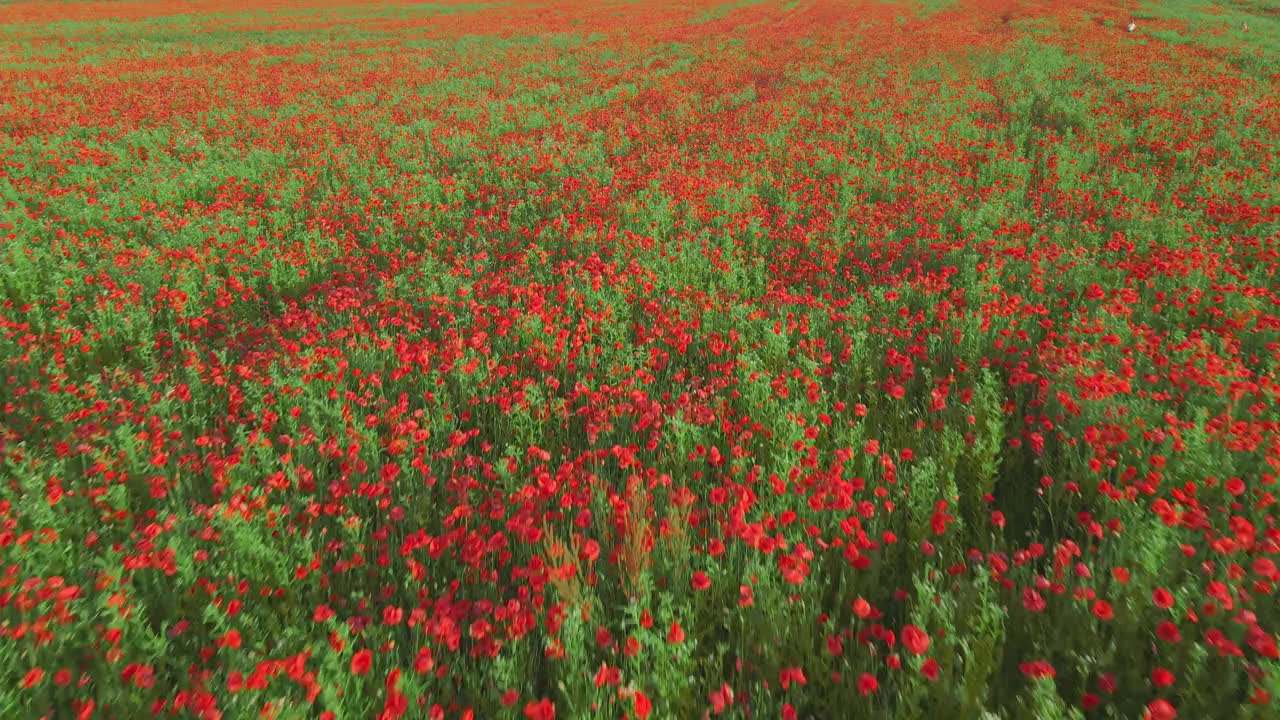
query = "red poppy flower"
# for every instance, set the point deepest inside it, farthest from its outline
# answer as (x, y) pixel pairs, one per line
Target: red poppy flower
(1160, 709)
(607, 675)
(540, 710)
(861, 608)
(789, 675)
(1102, 610)
(721, 699)
(1168, 632)
(915, 640)
(1038, 669)
(643, 705)
(361, 662)
(835, 645)
(424, 662)
(603, 638)
(145, 677)
(392, 615)
(630, 647)
(867, 684)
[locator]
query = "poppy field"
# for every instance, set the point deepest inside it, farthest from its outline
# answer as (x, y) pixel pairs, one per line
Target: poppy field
(640, 359)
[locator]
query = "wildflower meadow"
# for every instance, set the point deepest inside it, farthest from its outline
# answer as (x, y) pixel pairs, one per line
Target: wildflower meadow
(636, 359)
